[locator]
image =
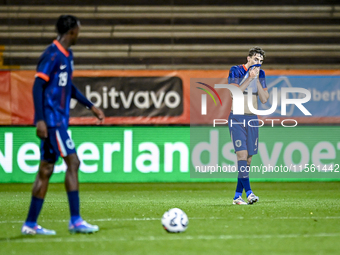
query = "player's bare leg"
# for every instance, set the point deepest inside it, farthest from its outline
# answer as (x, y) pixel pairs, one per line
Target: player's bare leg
(242, 155)
(43, 177)
(71, 178)
(249, 160)
(76, 224)
(30, 227)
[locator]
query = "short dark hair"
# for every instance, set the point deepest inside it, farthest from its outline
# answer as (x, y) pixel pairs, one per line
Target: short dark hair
(66, 23)
(256, 50)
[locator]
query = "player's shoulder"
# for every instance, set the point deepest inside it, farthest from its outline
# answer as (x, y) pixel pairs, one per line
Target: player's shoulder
(51, 48)
(50, 51)
(236, 68)
(262, 73)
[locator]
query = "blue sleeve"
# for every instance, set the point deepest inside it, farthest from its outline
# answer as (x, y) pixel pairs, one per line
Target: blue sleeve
(80, 97)
(262, 78)
(234, 76)
(47, 63)
(38, 95)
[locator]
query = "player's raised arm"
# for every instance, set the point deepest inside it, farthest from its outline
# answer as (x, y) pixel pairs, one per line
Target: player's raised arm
(262, 87)
(248, 80)
(235, 78)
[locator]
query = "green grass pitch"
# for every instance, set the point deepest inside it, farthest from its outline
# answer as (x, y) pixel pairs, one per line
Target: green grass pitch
(290, 218)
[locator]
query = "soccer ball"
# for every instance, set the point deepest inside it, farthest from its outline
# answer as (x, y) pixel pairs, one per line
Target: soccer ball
(175, 221)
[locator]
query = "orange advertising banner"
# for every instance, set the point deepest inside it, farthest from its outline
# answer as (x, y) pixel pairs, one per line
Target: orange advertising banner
(17, 103)
(5, 96)
(21, 97)
(22, 102)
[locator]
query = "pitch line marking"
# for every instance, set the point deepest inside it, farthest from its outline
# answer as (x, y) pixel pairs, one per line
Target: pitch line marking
(167, 238)
(191, 218)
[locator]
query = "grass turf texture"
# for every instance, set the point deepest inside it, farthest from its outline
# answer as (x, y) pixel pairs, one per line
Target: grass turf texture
(291, 218)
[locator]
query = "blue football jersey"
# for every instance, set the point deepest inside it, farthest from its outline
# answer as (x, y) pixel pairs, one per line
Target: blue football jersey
(238, 74)
(55, 67)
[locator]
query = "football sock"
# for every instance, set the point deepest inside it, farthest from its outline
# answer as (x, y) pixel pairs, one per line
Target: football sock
(243, 175)
(73, 201)
(34, 211)
(76, 219)
(239, 189)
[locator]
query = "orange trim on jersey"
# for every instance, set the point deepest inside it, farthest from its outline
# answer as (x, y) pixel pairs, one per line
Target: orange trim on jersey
(61, 48)
(61, 152)
(43, 76)
(245, 68)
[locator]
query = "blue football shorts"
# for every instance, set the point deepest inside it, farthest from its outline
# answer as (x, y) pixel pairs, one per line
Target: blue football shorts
(58, 143)
(243, 135)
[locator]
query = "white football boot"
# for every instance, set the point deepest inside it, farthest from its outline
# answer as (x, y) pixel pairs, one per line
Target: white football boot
(239, 201)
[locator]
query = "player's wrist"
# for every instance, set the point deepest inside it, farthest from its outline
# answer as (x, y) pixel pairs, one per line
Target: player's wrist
(41, 121)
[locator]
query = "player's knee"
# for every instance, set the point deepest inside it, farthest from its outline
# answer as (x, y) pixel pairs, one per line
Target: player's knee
(242, 155)
(46, 171)
(74, 164)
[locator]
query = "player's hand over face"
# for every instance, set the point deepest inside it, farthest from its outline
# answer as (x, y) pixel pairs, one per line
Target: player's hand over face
(41, 129)
(254, 72)
(98, 113)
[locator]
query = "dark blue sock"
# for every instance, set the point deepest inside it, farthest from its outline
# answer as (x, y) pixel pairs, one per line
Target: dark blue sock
(239, 189)
(34, 211)
(73, 201)
(243, 174)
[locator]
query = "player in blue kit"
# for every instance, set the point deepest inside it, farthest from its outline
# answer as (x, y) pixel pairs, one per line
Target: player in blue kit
(244, 136)
(52, 92)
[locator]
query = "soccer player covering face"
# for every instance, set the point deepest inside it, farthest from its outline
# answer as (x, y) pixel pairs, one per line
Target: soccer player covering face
(244, 136)
(52, 92)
